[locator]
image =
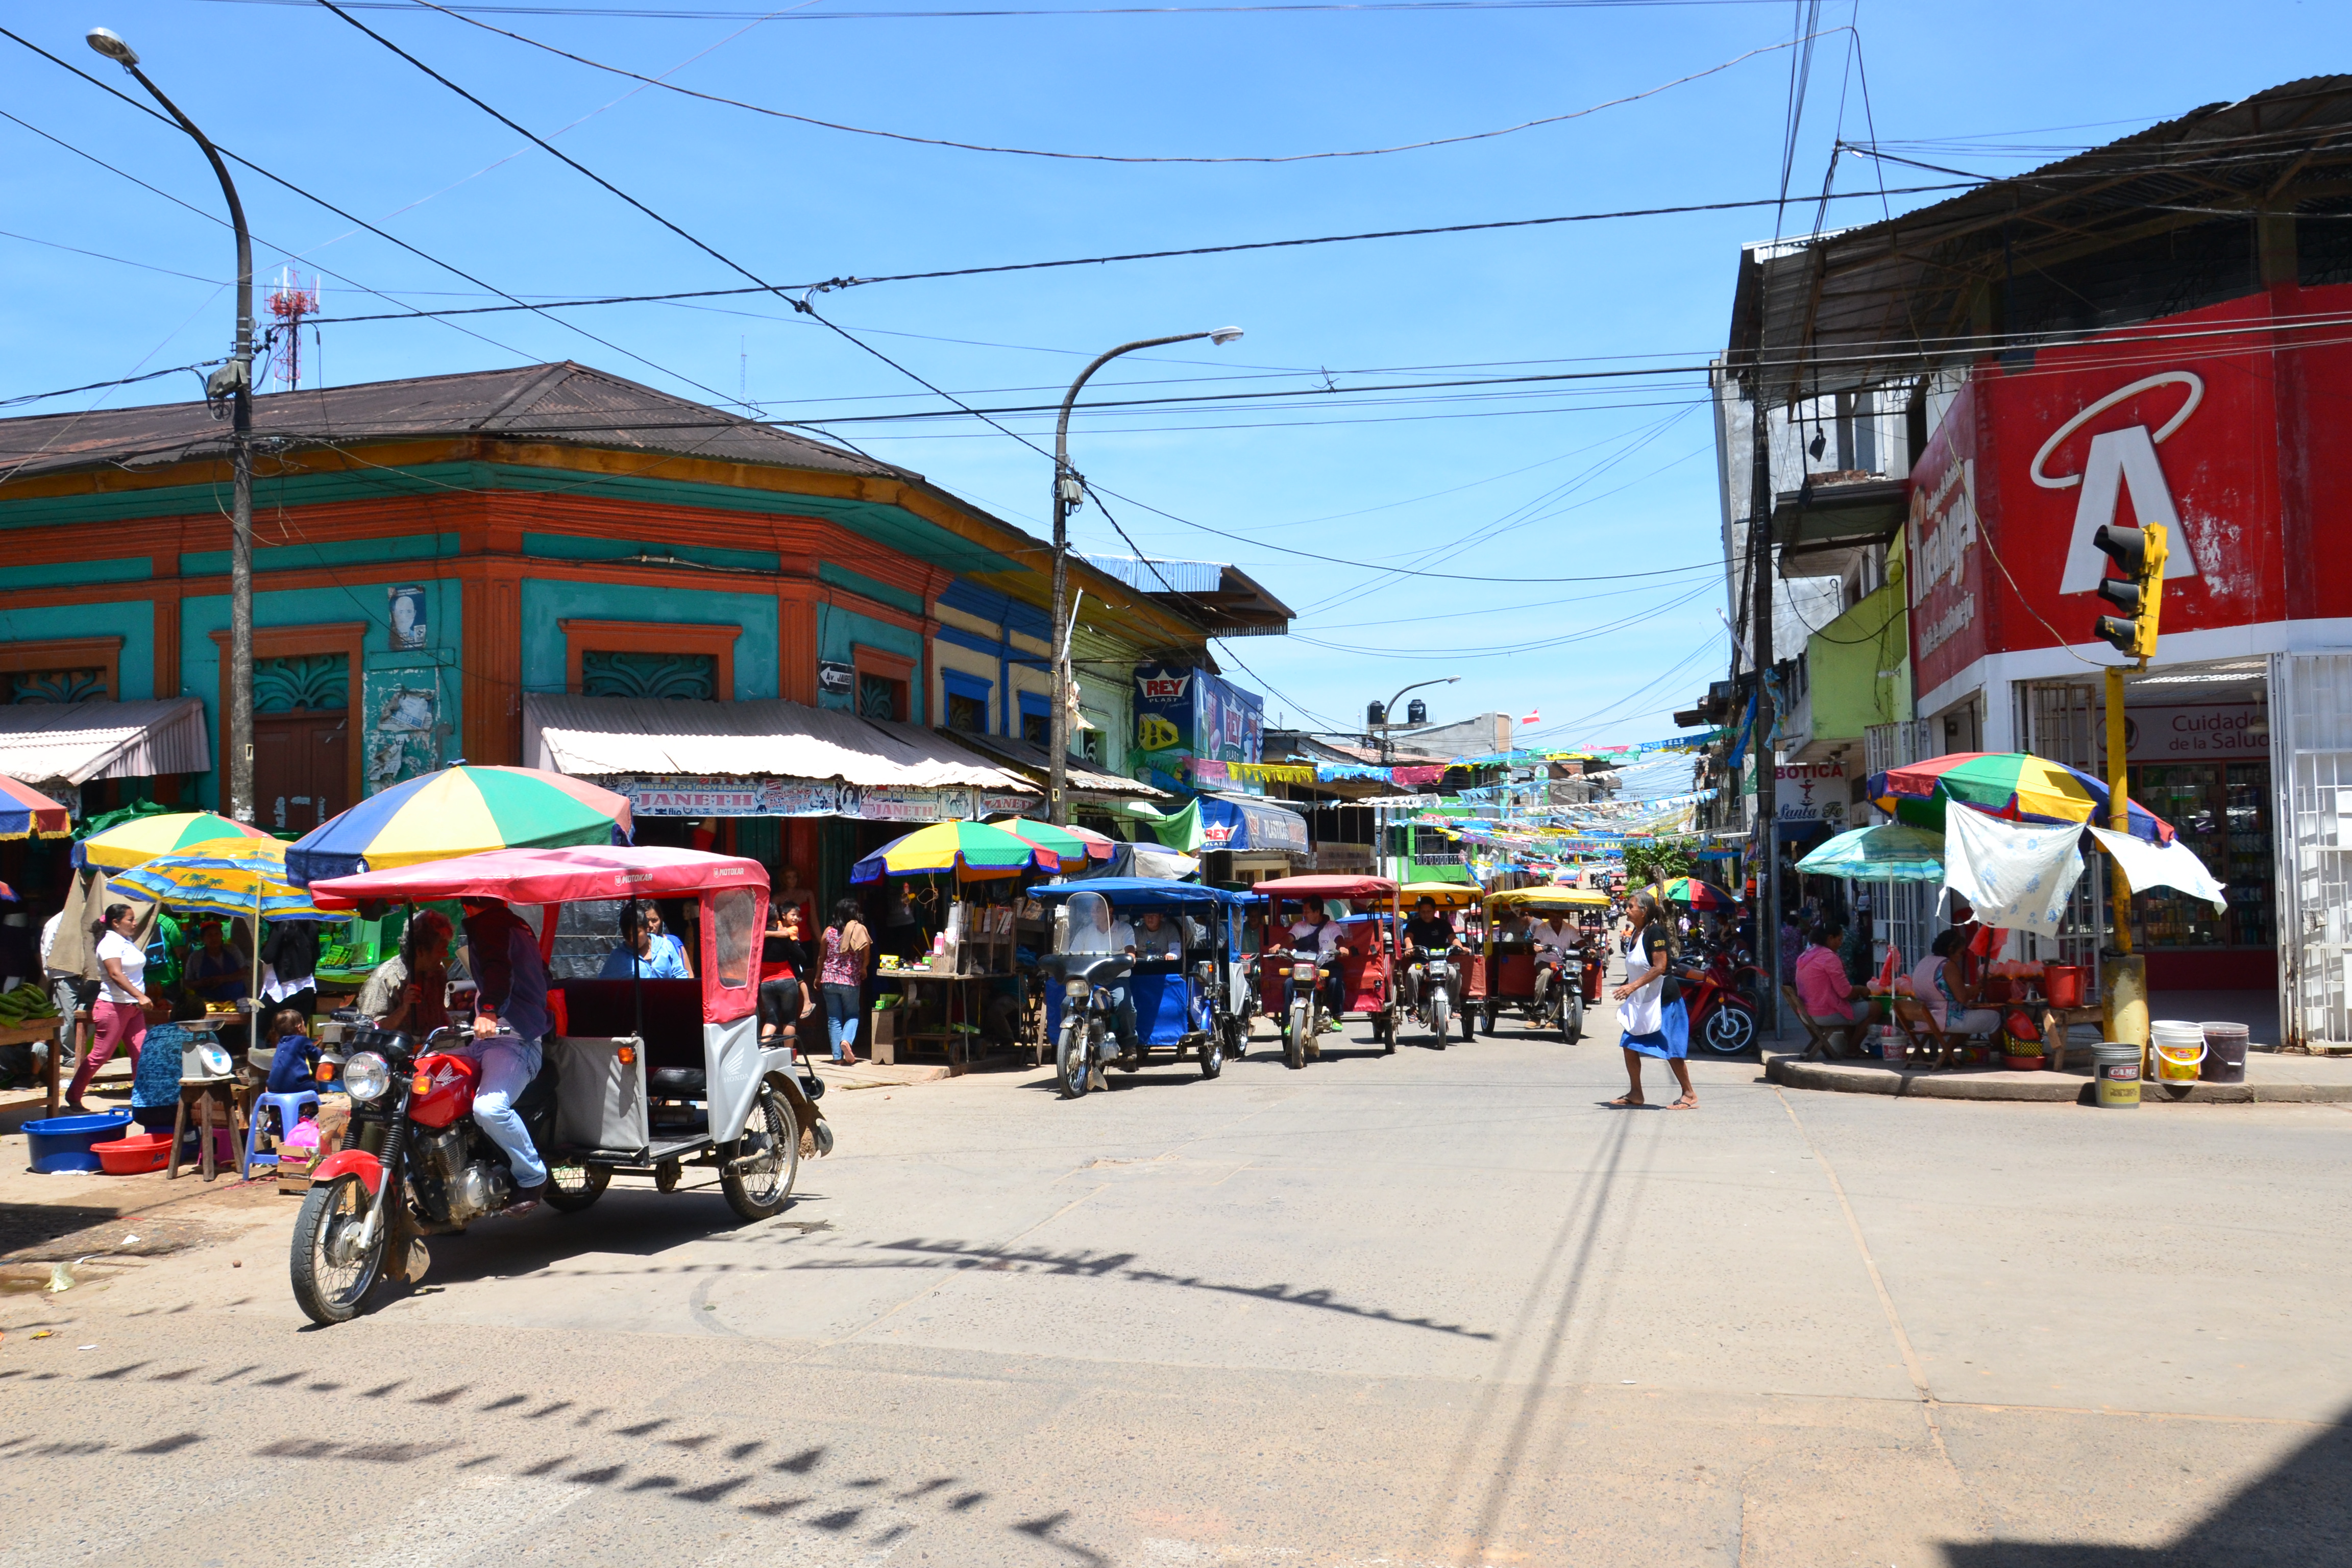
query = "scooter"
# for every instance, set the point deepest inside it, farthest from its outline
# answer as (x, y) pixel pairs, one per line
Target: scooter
(1722, 1016)
(1559, 995)
(1089, 1041)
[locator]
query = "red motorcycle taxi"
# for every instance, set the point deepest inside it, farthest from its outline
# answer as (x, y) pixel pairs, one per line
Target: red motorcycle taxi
(638, 1077)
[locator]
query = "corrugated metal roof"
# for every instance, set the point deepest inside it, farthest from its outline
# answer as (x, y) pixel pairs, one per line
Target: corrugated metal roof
(567, 403)
(78, 742)
(1868, 306)
(1036, 761)
(1157, 576)
(603, 736)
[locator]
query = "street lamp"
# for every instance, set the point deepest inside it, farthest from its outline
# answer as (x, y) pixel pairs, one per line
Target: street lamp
(1387, 726)
(1070, 494)
(235, 382)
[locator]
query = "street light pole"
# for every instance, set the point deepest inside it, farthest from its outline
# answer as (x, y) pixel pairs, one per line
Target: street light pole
(234, 381)
(1388, 724)
(1069, 493)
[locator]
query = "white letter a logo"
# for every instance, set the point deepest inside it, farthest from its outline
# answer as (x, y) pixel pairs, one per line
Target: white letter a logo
(2120, 460)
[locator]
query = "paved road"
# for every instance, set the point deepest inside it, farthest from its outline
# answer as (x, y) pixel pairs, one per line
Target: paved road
(1428, 1309)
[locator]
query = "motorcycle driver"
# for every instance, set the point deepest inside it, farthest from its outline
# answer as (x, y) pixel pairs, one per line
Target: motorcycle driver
(1093, 928)
(504, 956)
(1555, 941)
(1433, 933)
(1314, 930)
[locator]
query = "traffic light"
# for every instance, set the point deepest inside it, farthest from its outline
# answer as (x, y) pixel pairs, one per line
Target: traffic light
(2138, 592)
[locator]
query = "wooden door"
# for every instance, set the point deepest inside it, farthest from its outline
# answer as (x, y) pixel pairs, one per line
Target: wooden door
(301, 768)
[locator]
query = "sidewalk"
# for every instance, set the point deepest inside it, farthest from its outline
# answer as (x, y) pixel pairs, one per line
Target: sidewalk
(2271, 1077)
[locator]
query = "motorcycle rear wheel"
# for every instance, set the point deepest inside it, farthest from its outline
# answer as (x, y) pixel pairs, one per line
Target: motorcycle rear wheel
(331, 1282)
(762, 1193)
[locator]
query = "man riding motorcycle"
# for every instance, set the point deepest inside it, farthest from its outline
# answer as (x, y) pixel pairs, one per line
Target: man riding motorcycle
(1316, 930)
(504, 953)
(1555, 941)
(1434, 934)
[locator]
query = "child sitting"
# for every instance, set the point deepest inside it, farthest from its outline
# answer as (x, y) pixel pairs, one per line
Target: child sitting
(293, 1068)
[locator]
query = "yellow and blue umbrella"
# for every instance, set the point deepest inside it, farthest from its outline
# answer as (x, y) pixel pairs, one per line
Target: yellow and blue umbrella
(142, 839)
(233, 876)
(461, 810)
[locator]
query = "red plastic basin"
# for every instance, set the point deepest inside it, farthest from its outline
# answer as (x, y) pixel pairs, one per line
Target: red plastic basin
(134, 1156)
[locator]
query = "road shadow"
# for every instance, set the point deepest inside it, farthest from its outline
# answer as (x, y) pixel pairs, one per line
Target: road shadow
(2291, 1516)
(633, 1222)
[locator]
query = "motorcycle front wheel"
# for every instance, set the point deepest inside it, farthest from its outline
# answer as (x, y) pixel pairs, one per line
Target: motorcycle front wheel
(1728, 1030)
(1573, 1030)
(1294, 1040)
(332, 1273)
(1070, 1064)
(1212, 1050)
(1441, 1019)
(762, 1190)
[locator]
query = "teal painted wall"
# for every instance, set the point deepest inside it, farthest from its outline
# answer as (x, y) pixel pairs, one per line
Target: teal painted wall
(133, 622)
(860, 583)
(580, 547)
(326, 552)
(444, 622)
(838, 629)
(72, 574)
(546, 605)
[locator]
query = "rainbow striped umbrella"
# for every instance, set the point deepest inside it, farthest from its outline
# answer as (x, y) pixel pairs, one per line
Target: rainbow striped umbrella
(1698, 894)
(461, 810)
(2016, 786)
(27, 813)
(1075, 845)
(141, 839)
(973, 850)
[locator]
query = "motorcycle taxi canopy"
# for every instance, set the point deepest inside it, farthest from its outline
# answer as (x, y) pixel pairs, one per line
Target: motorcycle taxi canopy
(732, 891)
(1552, 896)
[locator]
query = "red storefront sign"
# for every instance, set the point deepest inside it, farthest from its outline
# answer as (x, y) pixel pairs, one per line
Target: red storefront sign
(2207, 423)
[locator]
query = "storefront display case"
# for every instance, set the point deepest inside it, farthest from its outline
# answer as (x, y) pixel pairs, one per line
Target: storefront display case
(2221, 810)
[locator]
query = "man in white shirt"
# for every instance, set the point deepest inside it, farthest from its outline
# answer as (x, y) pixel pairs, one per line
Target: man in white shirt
(1556, 940)
(1314, 930)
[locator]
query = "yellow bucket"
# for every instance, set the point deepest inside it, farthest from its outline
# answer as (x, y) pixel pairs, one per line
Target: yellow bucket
(2178, 1052)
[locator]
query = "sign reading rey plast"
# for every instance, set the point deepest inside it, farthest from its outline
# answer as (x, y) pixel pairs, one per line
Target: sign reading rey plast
(1192, 712)
(2201, 422)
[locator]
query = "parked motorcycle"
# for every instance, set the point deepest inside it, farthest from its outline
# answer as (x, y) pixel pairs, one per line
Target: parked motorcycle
(1722, 1016)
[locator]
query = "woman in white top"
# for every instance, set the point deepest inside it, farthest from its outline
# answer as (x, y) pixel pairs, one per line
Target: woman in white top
(119, 1017)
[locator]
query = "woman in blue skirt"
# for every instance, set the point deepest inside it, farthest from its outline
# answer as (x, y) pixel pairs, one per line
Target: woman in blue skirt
(1651, 1025)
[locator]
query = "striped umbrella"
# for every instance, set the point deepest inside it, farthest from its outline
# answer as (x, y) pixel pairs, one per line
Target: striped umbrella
(1073, 846)
(27, 813)
(2017, 786)
(141, 839)
(236, 876)
(461, 810)
(973, 850)
(1700, 895)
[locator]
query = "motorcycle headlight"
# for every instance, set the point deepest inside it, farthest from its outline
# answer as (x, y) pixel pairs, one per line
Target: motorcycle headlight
(1075, 990)
(365, 1077)
(1302, 971)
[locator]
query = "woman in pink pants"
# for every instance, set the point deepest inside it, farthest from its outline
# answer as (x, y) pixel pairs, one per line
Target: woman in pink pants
(120, 1015)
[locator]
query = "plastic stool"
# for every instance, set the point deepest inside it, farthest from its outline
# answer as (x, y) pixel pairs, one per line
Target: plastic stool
(290, 1109)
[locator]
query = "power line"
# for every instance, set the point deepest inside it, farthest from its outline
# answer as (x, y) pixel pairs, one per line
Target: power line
(97, 385)
(686, 14)
(455, 15)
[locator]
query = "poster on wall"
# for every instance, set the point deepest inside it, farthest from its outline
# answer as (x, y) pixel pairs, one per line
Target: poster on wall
(402, 739)
(1190, 712)
(407, 616)
(2190, 732)
(836, 683)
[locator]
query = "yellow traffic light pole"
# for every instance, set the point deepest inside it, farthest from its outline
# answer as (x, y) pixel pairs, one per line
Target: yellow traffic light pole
(2142, 553)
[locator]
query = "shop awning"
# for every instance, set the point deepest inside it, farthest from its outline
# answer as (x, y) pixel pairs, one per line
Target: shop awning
(1239, 822)
(598, 737)
(1088, 782)
(77, 741)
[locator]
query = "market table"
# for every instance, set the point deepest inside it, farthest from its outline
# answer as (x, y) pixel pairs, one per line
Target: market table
(46, 1030)
(956, 989)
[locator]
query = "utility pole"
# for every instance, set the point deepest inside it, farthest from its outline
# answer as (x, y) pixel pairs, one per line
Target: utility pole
(235, 382)
(1768, 803)
(1069, 493)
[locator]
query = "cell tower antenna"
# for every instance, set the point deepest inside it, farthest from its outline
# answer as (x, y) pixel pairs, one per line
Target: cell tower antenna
(289, 302)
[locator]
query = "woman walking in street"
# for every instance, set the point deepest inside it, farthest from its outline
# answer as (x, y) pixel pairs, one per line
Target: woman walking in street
(1653, 1026)
(119, 1017)
(841, 975)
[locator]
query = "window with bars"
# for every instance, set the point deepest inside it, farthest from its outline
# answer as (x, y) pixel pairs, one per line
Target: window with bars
(968, 714)
(308, 682)
(678, 676)
(879, 697)
(54, 685)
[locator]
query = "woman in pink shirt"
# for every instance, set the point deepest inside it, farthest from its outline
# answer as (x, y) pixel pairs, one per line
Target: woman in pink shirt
(1829, 997)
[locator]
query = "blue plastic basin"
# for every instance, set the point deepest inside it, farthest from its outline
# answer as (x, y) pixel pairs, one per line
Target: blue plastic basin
(62, 1143)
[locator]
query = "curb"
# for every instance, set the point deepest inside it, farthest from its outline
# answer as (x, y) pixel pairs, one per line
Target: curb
(2042, 1088)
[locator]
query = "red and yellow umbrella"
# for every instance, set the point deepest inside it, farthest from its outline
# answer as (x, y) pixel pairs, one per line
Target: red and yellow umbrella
(141, 839)
(27, 813)
(2015, 786)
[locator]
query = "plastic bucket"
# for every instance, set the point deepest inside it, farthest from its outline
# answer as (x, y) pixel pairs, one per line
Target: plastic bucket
(2061, 983)
(2176, 1050)
(2225, 1054)
(63, 1143)
(2118, 1074)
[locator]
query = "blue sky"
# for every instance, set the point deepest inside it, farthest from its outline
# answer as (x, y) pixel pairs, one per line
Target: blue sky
(1507, 484)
